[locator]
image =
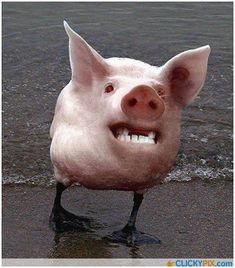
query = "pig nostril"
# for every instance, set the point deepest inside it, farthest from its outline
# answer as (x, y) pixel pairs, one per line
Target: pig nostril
(153, 105)
(132, 102)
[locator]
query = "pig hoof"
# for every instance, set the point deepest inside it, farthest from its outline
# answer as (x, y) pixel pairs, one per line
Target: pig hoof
(61, 221)
(132, 237)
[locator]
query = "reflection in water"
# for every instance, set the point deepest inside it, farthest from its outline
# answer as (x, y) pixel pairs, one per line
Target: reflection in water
(134, 252)
(82, 245)
(86, 245)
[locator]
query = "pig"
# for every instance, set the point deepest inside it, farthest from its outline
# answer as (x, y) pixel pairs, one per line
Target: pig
(117, 126)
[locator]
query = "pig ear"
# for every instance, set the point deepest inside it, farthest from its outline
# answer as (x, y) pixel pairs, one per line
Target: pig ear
(186, 73)
(86, 63)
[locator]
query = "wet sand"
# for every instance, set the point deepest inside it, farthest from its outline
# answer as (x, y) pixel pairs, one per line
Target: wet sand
(193, 220)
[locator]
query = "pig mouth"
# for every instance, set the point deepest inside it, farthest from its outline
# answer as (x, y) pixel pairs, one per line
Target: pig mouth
(133, 135)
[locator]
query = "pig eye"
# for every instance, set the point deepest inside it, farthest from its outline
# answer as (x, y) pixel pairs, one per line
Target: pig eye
(109, 88)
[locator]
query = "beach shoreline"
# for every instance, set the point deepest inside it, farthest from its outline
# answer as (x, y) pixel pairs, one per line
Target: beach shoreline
(193, 219)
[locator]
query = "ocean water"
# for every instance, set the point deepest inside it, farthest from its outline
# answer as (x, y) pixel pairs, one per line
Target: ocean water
(36, 68)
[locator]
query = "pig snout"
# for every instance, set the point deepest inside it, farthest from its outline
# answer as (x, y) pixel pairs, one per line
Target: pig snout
(142, 102)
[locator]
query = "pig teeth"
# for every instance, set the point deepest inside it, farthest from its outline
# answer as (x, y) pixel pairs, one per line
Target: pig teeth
(142, 139)
(125, 132)
(123, 135)
(134, 138)
(152, 135)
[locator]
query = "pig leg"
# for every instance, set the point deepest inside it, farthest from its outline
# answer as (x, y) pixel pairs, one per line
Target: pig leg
(61, 220)
(129, 234)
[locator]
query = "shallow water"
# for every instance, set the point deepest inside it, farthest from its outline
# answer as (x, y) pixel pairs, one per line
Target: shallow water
(36, 68)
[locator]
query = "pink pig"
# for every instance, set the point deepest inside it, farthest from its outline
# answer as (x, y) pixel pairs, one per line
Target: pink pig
(117, 126)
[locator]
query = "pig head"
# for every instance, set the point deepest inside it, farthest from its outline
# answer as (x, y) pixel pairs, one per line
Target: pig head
(117, 122)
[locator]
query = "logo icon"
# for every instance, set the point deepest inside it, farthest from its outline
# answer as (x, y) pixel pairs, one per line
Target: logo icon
(170, 263)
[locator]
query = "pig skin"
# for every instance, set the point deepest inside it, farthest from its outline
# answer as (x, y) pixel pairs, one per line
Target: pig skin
(84, 148)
